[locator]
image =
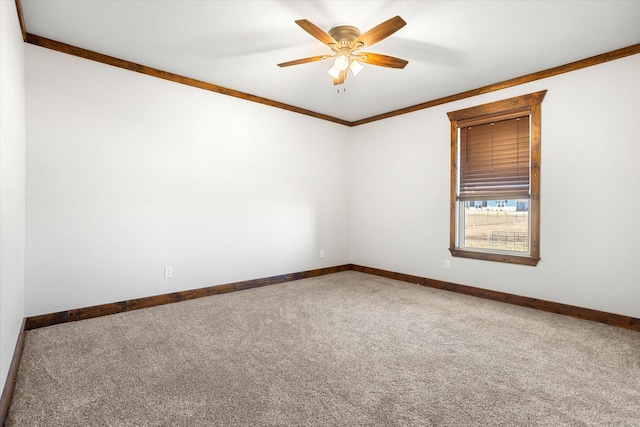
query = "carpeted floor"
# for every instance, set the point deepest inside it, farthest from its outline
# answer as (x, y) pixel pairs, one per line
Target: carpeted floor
(346, 349)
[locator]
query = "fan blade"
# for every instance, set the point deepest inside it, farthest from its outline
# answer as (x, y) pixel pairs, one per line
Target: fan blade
(381, 60)
(304, 60)
(379, 32)
(316, 32)
(343, 76)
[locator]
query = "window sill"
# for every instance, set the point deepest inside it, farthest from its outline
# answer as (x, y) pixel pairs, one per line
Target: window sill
(508, 258)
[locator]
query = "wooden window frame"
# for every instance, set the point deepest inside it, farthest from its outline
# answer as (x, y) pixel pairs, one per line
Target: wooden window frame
(488, 111)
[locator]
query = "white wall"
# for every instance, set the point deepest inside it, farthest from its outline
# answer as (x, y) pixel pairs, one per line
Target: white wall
(12, 170)
(590, 195)
(127, 174)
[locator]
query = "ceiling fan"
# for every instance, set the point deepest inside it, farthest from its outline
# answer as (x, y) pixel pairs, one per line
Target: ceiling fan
(346, 41)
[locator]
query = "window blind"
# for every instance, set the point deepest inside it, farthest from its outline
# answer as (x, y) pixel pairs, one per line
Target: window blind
(495, 160)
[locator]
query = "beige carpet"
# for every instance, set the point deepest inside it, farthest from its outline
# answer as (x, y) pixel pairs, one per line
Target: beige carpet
(345, 349)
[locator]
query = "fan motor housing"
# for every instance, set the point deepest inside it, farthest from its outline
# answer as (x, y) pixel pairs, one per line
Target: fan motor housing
(344, 34)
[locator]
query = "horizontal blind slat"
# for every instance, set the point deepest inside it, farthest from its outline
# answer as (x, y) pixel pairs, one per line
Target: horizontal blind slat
(495, 159)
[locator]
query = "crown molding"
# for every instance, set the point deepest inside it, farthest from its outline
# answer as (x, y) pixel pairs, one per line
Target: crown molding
(154, 72)
(538, 75)
(23, 29)
(176, 78)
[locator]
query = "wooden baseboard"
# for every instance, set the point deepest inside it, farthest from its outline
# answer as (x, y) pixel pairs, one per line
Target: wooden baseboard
(135, 304)
(7, 391)
(612, 319)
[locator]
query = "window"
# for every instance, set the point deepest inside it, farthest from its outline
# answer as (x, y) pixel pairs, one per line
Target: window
(495, 181)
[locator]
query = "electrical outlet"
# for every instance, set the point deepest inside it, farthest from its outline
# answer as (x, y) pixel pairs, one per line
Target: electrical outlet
(447, 264)
(168, 272)
(321, 253)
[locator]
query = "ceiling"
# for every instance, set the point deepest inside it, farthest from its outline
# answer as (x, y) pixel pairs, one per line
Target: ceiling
(451, 46)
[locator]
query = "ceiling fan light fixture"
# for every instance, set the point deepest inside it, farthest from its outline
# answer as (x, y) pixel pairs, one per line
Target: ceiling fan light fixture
(356, 67)
(341, 63)
(334, 72)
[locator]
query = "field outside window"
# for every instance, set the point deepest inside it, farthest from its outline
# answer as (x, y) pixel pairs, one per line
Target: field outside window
(501, 225)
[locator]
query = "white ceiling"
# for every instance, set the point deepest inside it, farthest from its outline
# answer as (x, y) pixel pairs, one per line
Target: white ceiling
(451, 46)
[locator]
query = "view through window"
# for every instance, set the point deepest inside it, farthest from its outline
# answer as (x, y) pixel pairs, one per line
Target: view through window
(501, 225)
